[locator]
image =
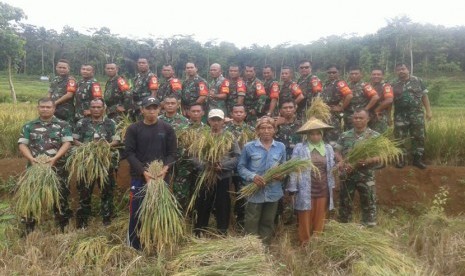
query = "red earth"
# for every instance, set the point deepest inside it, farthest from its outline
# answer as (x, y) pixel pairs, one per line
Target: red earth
(409, 188)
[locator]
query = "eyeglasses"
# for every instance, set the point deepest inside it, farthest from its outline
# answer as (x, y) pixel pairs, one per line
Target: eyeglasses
(332, 72)
(304, 67)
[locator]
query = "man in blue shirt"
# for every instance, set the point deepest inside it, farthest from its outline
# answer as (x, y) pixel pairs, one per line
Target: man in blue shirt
(257, 157)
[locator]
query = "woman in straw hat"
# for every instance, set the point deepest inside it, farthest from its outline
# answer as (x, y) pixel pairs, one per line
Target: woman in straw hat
(313, 190)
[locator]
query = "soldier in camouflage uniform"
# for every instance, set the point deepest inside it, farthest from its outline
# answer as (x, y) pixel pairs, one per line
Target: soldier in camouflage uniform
(117, 95)
(50, 136)
(240, 131)
(364, 96)
(145, 84)
(179, 172)
(381, 116)
(236, 88)
(309, 84)
(194, 89)
(290, 90)
(362, 177)
(219, 89)
(255, 96)
(271, 88)
(61, 91)
(337, 95)
(170, 86)
(88, 89)
(96, 127)
(410, 96)
(287, 124)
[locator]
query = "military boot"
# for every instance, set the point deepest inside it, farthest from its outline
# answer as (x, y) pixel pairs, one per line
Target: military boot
(418, 163)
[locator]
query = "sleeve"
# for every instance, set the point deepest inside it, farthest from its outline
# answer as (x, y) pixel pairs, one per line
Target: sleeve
(330, 166)
(176, 86)
(71, 86)
(260, 89)
(231, 163)
(96, 90)
(203, 89)
(343, 88)
(387, 91)
(77, 130)
(130, 148)
(424, 90)
(274, 93)
(296, 91)
(224, 88)
(123, 85)
(172, 146)
(369, 91)
(153, 83)
(317, 86)
(25, 134)
(294, 177)
(241, 88)
(67, 133)
(242, 166)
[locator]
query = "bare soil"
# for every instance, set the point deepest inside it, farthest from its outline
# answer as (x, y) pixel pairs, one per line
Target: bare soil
(409, 188)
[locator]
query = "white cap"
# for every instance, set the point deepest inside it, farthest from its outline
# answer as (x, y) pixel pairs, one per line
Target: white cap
(216, 113)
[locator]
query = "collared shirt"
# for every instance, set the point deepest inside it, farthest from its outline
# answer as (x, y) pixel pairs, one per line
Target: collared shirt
(256, 160)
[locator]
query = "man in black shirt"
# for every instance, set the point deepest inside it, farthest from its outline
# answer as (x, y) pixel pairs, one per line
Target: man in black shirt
(147, 140)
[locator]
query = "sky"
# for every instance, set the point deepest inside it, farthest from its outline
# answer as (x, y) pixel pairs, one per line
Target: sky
(242, 22)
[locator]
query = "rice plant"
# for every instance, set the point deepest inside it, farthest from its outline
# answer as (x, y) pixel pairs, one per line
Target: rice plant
(320, 110)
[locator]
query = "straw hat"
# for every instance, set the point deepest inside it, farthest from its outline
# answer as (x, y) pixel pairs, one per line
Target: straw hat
(313, 124)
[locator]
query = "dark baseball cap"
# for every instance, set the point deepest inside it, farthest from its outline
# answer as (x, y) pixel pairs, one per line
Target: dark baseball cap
(150, 101)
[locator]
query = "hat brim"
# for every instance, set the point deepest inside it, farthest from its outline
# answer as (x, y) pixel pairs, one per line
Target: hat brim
(313, 125)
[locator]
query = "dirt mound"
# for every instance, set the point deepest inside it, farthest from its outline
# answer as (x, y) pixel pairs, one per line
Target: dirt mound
(409, 188)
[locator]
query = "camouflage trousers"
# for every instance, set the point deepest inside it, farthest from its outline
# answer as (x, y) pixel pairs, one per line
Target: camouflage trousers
(180, 181)
(367, 194)
(332, 135)
(411, 125)
(85, 195)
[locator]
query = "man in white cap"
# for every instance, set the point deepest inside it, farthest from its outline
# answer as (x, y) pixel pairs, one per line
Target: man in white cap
(217, 194)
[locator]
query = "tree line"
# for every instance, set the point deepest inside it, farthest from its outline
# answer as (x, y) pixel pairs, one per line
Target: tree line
(34, 50)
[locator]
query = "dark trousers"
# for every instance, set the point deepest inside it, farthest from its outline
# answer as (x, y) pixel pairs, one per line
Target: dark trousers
(135, 201)
(217, 196)
(239, 205)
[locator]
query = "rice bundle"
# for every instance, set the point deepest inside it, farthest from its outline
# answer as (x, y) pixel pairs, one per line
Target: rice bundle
(246, 135)
(38, 189)
(359, 251)
(161, 221)
(286, 168)
(123, 125)
(223, 256)
(381, 146)
(319, 110)
(90, 162)
(186, 136)
(210, 150)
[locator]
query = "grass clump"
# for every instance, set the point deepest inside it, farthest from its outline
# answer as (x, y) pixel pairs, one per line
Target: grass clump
(160, 218)
(38, 189)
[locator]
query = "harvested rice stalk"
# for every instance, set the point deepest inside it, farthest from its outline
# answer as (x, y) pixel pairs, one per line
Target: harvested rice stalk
(161, 221)
(286, 168)
(90, 162)
(319, 110)
(186, 136)
(358, 251)
(38, 189)
(223, 256)
(380, 146)
(246, 136)
(123, 125)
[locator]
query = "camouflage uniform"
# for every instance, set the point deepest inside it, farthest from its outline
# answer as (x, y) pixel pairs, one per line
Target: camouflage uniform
(272, 92)
(362, 92)
(236, 89)
(192, 89)
(177, 121)
(59, 86)
(380, 123)
(361, 179)
(86, 131)
(86, 92)
(171, 86)
(255, 100)
(310, 85)
(47, 138)
(219, 85)
(144, 83)
(290, 91)
(332, 94)
(409, 118)
(116, 94)
(287, 135)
